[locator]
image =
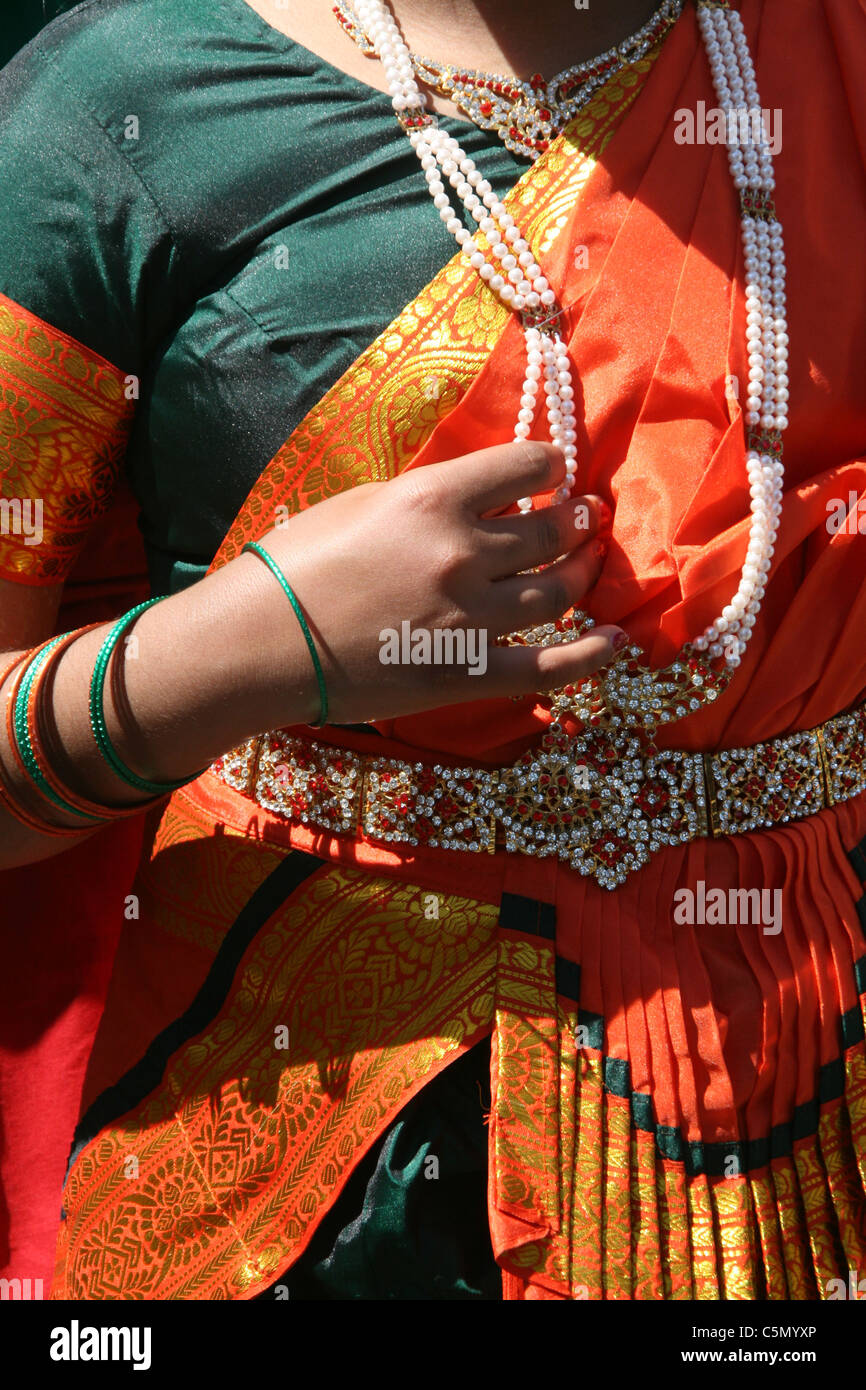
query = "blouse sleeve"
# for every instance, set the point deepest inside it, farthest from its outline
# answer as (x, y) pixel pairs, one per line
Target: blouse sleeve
(86, 264)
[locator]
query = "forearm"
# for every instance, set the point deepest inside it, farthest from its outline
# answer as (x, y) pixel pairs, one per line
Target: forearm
(228, 658)
(201, 671)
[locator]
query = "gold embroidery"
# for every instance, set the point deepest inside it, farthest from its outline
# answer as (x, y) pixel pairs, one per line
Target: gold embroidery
(64, 424)
(732, 1216)
(792, 1225)
(674, 1226)
(645, 1221)
(838, 1145)
(586, 1271)
(702, 1236)
(524, 1126)
(243, 1145)
(817, 1209)
(769, 1233)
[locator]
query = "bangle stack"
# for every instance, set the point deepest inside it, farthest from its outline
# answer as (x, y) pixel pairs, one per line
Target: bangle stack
(31, 673)
(25, 736)
(97, 713)
(24, 727)
(8, 795)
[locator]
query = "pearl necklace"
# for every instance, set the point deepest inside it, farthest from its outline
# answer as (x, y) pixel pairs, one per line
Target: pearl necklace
(512, 274)
(734, 81)
(526, 115)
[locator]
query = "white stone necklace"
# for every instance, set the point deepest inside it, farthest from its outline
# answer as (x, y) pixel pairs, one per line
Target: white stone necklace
(509, 269)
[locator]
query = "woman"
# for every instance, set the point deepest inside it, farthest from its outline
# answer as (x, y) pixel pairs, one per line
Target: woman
(308, 972)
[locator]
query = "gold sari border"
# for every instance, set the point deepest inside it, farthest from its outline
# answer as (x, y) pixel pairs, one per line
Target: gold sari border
(65, 415)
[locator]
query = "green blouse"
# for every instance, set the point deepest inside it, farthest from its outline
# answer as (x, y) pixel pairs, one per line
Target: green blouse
(221, 213)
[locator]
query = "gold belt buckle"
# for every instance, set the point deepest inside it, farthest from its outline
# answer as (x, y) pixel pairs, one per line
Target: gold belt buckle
(594, 803)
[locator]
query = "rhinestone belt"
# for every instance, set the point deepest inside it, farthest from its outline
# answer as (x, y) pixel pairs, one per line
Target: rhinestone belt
(584, 800)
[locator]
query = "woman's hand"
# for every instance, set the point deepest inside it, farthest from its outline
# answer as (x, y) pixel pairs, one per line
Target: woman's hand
(375, 567)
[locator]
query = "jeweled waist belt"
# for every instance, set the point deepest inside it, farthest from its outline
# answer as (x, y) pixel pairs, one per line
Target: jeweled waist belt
(583, 800)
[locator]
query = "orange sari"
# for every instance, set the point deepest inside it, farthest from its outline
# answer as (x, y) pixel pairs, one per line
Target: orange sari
(678, 1111)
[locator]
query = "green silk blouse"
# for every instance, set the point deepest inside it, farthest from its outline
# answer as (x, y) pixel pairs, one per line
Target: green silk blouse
(221, 213)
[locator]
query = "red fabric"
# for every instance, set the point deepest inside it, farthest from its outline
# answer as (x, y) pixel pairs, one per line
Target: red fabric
(59, 935)
(724, 1028)
(59, 926)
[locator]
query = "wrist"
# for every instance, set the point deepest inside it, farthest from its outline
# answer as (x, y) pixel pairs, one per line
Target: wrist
(198, 673)
(213, 665)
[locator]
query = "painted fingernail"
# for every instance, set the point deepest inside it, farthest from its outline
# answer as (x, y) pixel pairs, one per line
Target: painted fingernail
(619, 640)
(605, 517)
(600, 549)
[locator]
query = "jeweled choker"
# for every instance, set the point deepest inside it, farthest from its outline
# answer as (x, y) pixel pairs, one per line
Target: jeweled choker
(526, 115)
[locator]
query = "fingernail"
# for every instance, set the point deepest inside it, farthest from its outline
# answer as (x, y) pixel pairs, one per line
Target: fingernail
(619, 640)
(606, 517)
(600, 549)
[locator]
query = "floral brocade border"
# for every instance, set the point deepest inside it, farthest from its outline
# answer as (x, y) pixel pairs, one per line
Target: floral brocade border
(346, 999)
(333, 996)
(64, 426)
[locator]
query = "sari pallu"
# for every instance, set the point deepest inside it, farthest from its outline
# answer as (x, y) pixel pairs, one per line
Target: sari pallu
(677, 1111)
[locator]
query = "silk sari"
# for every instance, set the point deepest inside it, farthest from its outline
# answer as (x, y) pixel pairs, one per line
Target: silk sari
(283, 992)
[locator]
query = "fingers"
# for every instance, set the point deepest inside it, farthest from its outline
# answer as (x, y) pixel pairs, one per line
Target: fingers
(528, 599)
(510, 544)
(491, 479)
(526, 670)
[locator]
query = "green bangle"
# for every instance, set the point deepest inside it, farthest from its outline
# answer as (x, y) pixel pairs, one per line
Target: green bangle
(97, 715)
(22, 735)
(308, 636)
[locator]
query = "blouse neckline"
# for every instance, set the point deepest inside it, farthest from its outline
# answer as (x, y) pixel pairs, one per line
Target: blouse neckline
(285, 43)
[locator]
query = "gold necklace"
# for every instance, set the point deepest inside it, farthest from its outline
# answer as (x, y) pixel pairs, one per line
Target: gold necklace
(526, 115)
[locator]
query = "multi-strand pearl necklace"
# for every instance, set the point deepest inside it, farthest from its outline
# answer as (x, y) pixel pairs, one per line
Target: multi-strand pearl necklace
(511, 272)
(766, 327)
